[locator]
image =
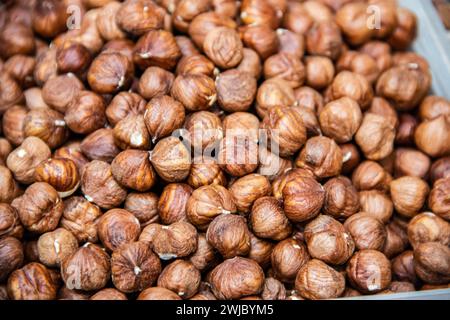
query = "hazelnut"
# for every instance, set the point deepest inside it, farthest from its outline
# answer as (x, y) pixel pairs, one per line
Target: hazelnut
(186, 10)
(352, 85)
(187, 46)
(396, 239)
(232, 98)
(100, 145)
(157, 48)
(250, 63)
(118, 227)
(388, 17)
(380, 51)
(428, 227)
(328, 241)
(172, 202)
(205, 255)
(403, 267)
(271, 165)
(46, 124)
(438, 200)
(10, 224)
(431, 262)
(350, 157)
(55, 246)
(86, 113)
(254, 12)
(123, 46)
(411, 162)
(9, 188)
(319, 71)
(238, 156)
(30, 251)
(131, 132)
(204, 22)
(67, 294)
(196, 64)
(246, 190)
(46, 66)
(16, 38)
(432, 137)
(109, 294)
(205, 171)
(80, 218)
(236, 278)
(149, 233)
(260, 38)
(204, 130)
(177, 240)
(171, 159)
(272, 93)
(208, 202)
(287, 67)
(11, 256)
(61, 174)
(268, 220)
(124, 104)
(367, 231)
(409, 195)
(405, 31)
(297, 18)
(5, 150)
(21, 68)
(229, 235)
(106, 22)
(86, 269)
(399, 286)
(134, 267)
(309, 98)
(353, 19)
(285, 129)
(143, 206)
(273, 290)
(341, 198)
(288, 256)
(154, 82)
(241, 124)
(49, 18)
(376, 204)
(60, 91)
(369, 271)
(32, 282)
(322, 156)
(440, 169)
(370, 175)
(73, 58)
(99, 186)
(12, 124)
(318, 11)
(132, 169)
(433, 107)
(291, 42)
(340, 119)
(157, 293)
(316, 280)
(227, 8)
(195, 91)
(260, 251)
(181, 277)
(138, 17)
(350, 292)
(375, 137)
(40, 208)
(324, 39)
(224, 47)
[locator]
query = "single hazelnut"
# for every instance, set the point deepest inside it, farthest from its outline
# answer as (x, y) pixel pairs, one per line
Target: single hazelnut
(205, 255)
(158, 293)
(12, 125)
(61, 174)
(316, 280)
(55, 246)
(131, 133)
(108, 294)
(86, 113)
(123, 46)
(307, 97)
(371, 175)
(403, 267)
(21, 68)
(186, 45)
(46, 66)
(350, 157)
(157, 48)
(149, 233)
(99, 186)
(106, 22)
(291, 42)
(205, 171)
(236, 278)
(324, 39)
(49, 18)
(380, 51)
(10, 224)
(204, 130)
(134, 267)
(16, 38)
(260, 38)
(172, 202)
(352, 85)
(32, 282)
(11, 256)
(367, 231)
(68, 294)
(272, 93)
(138, 17)
(241, 124)
(60, 91)
(411, 162)
(431, 262)
(271, 165)
(46, 124)
(328, 241)
(273, 290)
(297, 19)
(180, 277)
(118, 227)
(432, 137)
(250, 63)
(287, 257)
(186, 10)
(405, 31)
(440, 169)
(9, 188)
(318, 11)
(247, 189)
(341, 198)
(428, 227)
(73, 58)
(369, 271)
(322, 156)
(287, 67)
(227, 8)
(399, 286)
(396, 239)
(353, 19)
(196, 64)
(224, 47)
(376, 204)
(254, 12)
(144, 206)
(438, 200)
(232, 98)
(204, 22)
(177, 240)
(124, 104)
(433, 107)
(100, 145)
(238, 155)
(195, 91)
(5, 150)
(319, 71)
(360, 63)
(88, 268)
(409, 195)
(260, 251)
(154, 82)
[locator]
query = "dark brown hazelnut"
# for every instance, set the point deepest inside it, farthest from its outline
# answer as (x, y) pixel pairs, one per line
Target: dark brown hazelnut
(352, 85)
(229, 235)
(171, 159)
(16, 38)
(134, 267)
(260, 251)
(177, 240)
(131, 133)
(428, 227)
(371, 175)
(273, 290)
(432, 137)
(272, 93)
(287, 67)
(319, 71)
(324, 39)
(291, 42)
(433, 107)
(158, 293)
(21, 68)
(411, 162)
(438, 200)
(172, 202)
(367, 231)
(9, 188)
(106, 22)
(12, 124)
(224, 47)
(316, 280)
(431, 262)
(86, 269)
(396, 239)
(409, 195)
(246, 190)
(250, 63)
(99, 186)
(46, 124)
(205, 255)
(440, 169)
(204, 130)
(341, 198)
(73, 58)
(405, 31)
(108, 294)
(30, 251)
(288, 256)
(99, 145)
(185, 11)
(154, 82)
(205, 171)
(49, 18)
(124, 104)
(208, 202)
(10, 224)
(32, 282)
(55, 246)
(271, 165)
(403, 267)
(11, 256)
(181, 277)
(236, 278)
(376, 204)
(195, 91)
(231, 98)
(186, 45)
(60, 91)
(40, 208)
(328, 241)
(360, 63)
(350, 157)
(354, 21)
(322, 156)
(260, 38)
(238, 155)
(369, 271)
(61, 174)
(138, 17)
(254, 12)
(157, 48)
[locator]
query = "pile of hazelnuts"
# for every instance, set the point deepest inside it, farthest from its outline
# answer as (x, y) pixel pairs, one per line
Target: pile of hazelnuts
(105, 195)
